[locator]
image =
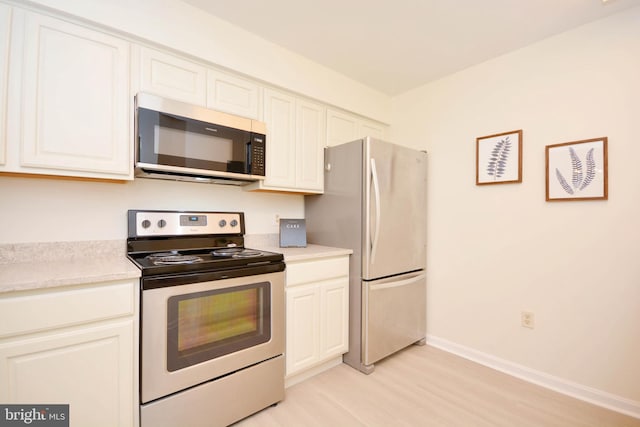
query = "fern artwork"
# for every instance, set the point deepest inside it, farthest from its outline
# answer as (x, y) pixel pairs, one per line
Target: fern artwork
(499, 158)
(577, 170)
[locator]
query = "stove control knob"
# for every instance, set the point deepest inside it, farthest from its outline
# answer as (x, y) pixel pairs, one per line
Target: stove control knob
(222, 223)
(233, 223)
(162, 223)
(146, 223)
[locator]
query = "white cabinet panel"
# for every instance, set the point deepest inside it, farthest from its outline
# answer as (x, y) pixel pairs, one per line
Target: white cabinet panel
(75, 100)
(90, 369)
(303, 327)
(5, 27)
(296, 134)
(371, 129)
(232, 94)
(32, 313)
(334, 310)
(172, 77)
(310, 142)
(279, 115)
(299, 273)
(75, 346)
(341, 128)
(317, 295)
(344, 127)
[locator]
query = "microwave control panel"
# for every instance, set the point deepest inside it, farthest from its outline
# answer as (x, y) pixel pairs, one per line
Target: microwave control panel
(258, 154)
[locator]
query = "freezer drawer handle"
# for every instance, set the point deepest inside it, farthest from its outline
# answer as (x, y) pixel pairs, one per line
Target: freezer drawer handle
(397, 284)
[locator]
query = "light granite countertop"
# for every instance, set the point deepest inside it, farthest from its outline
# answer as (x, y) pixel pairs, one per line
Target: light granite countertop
(270, 242)
(310, 252)
(31, 266)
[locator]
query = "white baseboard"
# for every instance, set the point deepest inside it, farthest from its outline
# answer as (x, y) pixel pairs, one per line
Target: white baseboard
(561, 385)
(296, 378)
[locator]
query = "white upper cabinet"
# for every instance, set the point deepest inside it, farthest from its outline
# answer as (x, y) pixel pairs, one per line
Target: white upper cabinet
(73, 110)
(178, 78)
(311, 128)
(172, 77)
(232, 94)
(296, 133)
(344, 127)
(280, 117)
(341, 127)
(5, 27)
(369, 128)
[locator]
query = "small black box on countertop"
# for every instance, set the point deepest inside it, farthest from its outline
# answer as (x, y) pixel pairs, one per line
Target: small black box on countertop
(293, 233)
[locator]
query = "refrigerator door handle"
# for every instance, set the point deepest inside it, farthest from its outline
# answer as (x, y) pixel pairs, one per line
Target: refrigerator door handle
(397, 284)
(376, 189)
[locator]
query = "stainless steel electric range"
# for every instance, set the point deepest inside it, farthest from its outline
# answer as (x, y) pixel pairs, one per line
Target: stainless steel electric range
(212, 319)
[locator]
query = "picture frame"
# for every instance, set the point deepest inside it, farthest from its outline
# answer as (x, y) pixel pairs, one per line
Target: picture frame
(499, 158)
(577, 170)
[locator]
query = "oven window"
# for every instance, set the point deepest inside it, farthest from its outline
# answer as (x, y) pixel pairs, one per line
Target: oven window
(205, 325)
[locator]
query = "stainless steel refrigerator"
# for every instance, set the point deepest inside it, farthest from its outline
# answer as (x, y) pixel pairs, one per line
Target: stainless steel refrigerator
(374, 202)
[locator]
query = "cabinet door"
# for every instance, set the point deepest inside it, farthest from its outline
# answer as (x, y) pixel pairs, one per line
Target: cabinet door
(341, 128)
(5, 27)
(303, 327)
(310, 141)
(232, 94)
(344, 127)
(89, 368)
(75, 104)
(172, 77)
(279, 115)
(334, 315)
(372, 129)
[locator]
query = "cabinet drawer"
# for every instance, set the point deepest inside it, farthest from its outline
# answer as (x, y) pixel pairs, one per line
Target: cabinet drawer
(53, 309)
(316, 270)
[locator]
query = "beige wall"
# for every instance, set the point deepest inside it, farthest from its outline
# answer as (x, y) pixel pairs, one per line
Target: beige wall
(494, 251)
(46, 210)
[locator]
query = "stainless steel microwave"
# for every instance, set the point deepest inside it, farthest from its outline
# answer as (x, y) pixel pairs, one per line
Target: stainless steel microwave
(185, 142)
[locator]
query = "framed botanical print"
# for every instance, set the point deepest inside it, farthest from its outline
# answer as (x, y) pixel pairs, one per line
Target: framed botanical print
(577, 170)
(499, 158)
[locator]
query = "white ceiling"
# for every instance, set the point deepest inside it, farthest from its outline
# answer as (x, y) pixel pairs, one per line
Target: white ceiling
(396, 45)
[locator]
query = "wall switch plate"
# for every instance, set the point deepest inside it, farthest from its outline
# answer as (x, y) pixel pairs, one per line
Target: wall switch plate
(527, 319)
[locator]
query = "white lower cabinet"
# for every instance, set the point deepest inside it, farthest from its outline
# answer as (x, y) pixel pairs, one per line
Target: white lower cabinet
(73, 346)
(317, 298)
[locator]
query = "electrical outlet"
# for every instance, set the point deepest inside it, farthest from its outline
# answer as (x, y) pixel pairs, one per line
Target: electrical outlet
(527, 319)
(277, 219)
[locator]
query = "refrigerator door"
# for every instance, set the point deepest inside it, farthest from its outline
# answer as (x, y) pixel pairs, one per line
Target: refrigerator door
(394, 314)
(394, 210)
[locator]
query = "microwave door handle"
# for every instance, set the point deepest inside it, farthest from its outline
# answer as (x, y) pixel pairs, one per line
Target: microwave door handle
(249, 152)
(376, 190)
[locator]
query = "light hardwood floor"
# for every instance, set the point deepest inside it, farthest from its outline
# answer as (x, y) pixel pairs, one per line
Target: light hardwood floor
(424, 386)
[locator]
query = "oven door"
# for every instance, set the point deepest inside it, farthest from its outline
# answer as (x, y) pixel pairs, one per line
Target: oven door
(197, 332)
